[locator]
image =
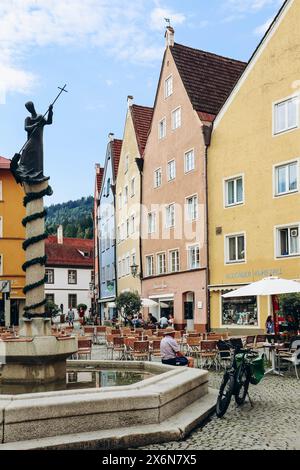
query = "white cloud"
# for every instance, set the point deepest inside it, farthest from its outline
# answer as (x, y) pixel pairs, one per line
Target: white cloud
(261, 30)
(120, 29)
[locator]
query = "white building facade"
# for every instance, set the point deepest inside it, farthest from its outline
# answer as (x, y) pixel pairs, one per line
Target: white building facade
(69, 272)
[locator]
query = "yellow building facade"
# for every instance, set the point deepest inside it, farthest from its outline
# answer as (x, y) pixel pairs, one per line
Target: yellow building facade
(128, 197)
(12, 234)
(254, 179)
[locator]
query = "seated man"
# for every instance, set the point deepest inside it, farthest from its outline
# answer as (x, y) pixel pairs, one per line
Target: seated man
(170, 351)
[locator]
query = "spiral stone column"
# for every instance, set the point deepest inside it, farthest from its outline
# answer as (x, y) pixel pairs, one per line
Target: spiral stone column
(34, 247)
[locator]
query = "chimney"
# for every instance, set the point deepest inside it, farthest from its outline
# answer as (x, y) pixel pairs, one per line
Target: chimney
(97, 168)
(169, 35)
(111, 136)
(60, 235)
(129, 101)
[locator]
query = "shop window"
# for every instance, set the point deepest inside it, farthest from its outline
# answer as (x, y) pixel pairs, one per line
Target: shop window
(239, 311)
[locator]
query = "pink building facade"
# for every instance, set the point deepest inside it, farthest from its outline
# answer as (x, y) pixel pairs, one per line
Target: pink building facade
(174, 192)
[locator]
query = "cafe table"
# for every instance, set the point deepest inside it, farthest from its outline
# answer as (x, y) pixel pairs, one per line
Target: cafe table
(272, 348)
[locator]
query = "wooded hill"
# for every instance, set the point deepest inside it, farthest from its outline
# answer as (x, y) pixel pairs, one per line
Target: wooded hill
(74, 216)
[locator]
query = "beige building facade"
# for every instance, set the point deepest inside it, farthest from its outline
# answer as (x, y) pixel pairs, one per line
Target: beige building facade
(174, 192)
(128, 197)
(254, 176)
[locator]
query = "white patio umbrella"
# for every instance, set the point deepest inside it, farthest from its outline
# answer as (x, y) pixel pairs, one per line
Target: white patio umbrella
(149, 303)
(267, 286)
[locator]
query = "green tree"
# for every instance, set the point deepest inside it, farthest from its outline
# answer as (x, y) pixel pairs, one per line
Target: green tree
(128, 303)
(290, 308)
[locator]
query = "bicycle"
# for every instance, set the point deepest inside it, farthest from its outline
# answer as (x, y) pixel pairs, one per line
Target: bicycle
(236, 379)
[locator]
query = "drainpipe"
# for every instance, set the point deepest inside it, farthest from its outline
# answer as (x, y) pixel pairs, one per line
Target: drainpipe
(207, 130)
(140, 164)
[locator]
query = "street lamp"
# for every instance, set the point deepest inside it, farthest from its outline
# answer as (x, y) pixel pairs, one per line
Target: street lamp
(134, 270)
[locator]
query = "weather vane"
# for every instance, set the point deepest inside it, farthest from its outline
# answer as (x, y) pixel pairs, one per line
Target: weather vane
(168, 21)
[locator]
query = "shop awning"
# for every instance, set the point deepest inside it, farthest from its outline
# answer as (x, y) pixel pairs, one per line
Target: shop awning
(149, 303)
(267, 286)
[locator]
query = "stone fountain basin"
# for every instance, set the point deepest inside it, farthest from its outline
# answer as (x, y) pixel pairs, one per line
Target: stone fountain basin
(175, 399)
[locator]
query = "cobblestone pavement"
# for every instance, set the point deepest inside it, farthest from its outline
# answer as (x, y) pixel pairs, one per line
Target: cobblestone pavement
(273, 423)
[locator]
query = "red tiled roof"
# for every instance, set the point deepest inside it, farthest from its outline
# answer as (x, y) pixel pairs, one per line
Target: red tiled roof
(99, 177)
(208, 78)
(141, 117)
(116, 149)
(4, 163)
(68, 253)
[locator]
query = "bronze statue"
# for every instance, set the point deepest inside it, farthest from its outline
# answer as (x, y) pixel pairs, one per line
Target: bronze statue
(28, 167)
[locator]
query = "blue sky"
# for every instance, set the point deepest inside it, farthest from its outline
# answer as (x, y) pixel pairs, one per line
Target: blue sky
(104, 50)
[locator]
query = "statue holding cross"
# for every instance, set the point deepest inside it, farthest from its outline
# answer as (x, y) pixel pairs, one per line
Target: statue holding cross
(28, 164)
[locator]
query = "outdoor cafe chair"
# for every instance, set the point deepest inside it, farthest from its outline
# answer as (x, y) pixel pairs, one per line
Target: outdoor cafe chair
(119, 347)
(100, 332)
(291, 356)
(109, 345)
(141, 350)
(155, 348)
(193, 347)
(128, 343)
(84, 348)
(250, 342)
(224, 353)
(89, 331)
(208, 354)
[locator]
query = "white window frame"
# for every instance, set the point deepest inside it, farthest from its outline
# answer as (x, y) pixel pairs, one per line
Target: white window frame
(152, 226)
(174, 118)
(53, 275)
(70, 277)
(132, 187)
(132, 224)
(169, 173)
(168, 206)
(277, 228)
(227, 261)
(126, 195)
(119, 268)
(158, 263)
(288, 129)
(185, 160)
(146, 260)
(187, 214)
(279, 165)
(174, 250)
(126, 163)
(162, 136)
(189, 247)
(103, 275)
(169, 79)
(225, 190)
(155, 179)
